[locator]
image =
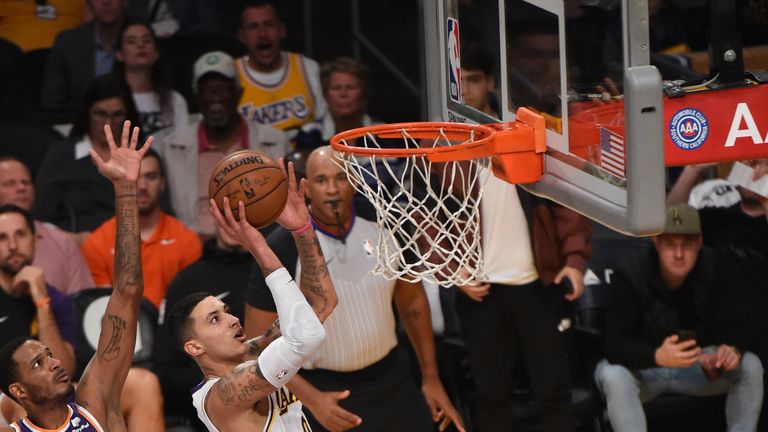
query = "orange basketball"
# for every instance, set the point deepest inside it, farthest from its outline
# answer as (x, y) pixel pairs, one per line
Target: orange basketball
(253, 178)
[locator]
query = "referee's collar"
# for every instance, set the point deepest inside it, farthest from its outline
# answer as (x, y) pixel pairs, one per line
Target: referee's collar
(335, 236)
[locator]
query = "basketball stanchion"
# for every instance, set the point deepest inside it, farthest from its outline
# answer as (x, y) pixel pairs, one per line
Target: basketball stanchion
(428, 220)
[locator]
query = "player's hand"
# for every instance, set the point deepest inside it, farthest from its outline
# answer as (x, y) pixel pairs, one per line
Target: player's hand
(440, 406)
(241, 231)
(30, 280)
(124, 162)
(295, 214)
(674, 354)
(326, 410)
(577, 281)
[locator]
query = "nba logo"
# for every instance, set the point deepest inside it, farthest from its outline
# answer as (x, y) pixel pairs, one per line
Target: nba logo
(368, 248)
(454, 61)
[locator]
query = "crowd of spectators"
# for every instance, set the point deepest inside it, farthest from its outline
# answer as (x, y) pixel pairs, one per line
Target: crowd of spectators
(683, 317)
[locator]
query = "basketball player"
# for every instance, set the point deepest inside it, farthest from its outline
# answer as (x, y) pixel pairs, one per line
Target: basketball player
(35, 379)
(239, 373)
(280, 88)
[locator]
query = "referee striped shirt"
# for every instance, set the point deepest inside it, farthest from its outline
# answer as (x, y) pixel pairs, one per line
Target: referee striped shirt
(361, 330)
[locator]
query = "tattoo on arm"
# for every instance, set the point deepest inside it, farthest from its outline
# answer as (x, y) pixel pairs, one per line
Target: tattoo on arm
(259, 343)
(112, 351)
(313, 271)
(246, 383)
(128, 275)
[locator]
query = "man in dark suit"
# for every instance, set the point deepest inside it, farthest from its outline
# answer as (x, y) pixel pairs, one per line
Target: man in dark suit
(81, 54)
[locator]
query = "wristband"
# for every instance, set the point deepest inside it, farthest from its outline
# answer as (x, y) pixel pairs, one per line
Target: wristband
(42, 302)
(303, 229)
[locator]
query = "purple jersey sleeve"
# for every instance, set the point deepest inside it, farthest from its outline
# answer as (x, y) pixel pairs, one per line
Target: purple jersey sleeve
(64, 312)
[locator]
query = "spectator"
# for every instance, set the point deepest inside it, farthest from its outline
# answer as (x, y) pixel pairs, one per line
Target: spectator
(167, 246)
(478, 85)
(197, 148)
(346, 87)
(222, 271)
(81, 54)
(27, 302)
(139, 64)
(281, 88)
(34, 25)
(512, 314)
(654, 302)
(735, 228)
(70, 191)
(55, 251)
(359, 377)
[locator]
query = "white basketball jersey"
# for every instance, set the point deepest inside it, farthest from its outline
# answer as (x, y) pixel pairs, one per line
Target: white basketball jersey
(284, 414)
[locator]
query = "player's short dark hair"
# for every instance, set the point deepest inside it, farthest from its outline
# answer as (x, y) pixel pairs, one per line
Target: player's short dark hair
(346, 65)
(246, 4)
(475, 57)
(9, 369)
(178, 322)
(13, 208)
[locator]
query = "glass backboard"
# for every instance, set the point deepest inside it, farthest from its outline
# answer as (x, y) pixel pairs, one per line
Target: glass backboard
(582, 64)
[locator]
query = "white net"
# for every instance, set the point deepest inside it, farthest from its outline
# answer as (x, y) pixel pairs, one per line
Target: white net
(427, 212)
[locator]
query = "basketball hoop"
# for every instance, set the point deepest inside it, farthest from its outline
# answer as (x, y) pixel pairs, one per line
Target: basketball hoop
(426, 181)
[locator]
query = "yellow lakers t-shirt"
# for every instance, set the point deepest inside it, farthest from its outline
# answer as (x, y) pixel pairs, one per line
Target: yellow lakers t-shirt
(285, 99)
(32, 26)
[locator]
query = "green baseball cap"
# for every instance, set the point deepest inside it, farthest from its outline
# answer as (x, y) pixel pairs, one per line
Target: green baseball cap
(682, 219)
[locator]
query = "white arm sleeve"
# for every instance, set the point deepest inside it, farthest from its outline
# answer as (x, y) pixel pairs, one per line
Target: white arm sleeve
(302, 331)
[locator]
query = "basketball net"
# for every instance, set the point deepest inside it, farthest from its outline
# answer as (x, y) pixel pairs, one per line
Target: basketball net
(427, 212)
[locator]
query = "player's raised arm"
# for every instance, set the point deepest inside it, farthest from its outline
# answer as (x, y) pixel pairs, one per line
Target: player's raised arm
(103, 379)
(315, 283)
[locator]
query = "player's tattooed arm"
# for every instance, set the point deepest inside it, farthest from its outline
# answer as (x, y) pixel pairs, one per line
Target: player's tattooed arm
(128, 275)
(315, 283)
(259, 343)
(238, 390)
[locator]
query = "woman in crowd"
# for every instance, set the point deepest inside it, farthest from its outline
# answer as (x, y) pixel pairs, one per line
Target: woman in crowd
(139, 65)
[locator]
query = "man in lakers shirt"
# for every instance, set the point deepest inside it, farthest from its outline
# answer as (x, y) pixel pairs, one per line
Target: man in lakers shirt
(28, 371)
(244, 379)
(280, 88)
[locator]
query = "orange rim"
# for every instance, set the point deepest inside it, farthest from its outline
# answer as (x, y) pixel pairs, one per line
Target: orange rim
(479, 135)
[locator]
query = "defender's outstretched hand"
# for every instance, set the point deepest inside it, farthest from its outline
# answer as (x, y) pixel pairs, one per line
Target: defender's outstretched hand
(124, 161)
(295, 214)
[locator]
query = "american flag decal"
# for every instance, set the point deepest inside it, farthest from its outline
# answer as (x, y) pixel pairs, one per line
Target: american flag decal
(612, 156)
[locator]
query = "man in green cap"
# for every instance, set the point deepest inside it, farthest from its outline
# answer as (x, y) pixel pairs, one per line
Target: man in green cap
(661, 335)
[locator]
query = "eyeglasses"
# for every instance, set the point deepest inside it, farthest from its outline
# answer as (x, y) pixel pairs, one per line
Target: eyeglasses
(103, 116)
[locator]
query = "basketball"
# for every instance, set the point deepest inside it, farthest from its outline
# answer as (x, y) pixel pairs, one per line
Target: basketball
(253, 178)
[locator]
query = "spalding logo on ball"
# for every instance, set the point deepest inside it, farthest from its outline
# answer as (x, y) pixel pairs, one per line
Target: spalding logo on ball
(253, 178)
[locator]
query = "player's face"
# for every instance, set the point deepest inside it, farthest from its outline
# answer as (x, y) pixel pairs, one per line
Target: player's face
(475, 86)
(107, 11)
(345, 95)
(110, 111)
(329, 192)
(677, 253)
(17, 243)
(217, 97)
(151, 185)
(261, 32)
(16, 185)
(41, 377)
(218, 331)
(138, 48)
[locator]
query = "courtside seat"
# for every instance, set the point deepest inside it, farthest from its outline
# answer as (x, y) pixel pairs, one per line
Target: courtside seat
(90, 305)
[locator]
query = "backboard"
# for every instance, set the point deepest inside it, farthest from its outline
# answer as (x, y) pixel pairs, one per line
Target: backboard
(605, 157)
